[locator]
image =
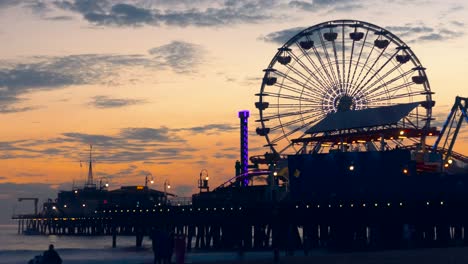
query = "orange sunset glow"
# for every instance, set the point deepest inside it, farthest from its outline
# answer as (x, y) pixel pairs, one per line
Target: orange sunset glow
(158, 93)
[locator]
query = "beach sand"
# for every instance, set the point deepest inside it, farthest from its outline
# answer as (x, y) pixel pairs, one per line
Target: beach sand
(457, 255)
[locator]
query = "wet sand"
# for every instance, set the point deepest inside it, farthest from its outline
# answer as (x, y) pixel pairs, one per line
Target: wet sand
(457, 255)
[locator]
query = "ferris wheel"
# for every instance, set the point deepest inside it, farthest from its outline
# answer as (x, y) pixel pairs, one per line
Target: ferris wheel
(336, 66)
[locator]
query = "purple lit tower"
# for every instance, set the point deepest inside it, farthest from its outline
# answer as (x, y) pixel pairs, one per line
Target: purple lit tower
(244, 144)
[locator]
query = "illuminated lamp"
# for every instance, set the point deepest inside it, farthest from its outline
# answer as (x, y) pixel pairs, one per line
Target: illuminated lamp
(54, 208)
(351, 167)
(84, 205)
(76, 191)
(450, 161)
(402, 132)
(405, 171)
(275, 173)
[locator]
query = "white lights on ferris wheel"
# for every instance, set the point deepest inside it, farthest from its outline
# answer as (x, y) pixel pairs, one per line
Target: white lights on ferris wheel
(338, 66)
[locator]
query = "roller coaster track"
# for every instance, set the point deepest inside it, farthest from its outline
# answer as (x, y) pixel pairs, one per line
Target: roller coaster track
(448, 135)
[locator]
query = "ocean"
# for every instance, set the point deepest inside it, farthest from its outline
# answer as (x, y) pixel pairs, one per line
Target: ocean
(16, 249)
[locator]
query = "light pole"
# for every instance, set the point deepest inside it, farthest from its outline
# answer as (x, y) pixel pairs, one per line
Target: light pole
(106, 183)
(203, 181)
(149, 178)
(167, 185)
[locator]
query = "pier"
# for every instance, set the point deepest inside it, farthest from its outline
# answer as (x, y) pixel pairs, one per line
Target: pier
(368, 225)
(348, 167)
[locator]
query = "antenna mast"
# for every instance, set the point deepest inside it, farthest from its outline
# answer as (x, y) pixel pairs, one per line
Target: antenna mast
(90, 182)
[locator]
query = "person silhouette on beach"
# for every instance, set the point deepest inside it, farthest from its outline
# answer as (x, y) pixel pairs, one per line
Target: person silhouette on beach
(51, 256)
(157, 239)
(169, 247)
(163, 246)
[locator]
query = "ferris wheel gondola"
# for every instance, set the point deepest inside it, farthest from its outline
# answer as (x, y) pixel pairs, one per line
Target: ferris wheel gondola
(338, 66)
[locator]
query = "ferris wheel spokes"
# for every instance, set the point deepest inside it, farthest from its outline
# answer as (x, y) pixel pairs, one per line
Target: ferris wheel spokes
(334, 67)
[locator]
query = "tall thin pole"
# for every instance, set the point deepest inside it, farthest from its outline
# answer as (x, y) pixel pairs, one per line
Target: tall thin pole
(90, 170)
(244, 144)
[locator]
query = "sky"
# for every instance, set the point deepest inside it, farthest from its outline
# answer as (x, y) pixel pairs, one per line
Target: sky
(155, 85)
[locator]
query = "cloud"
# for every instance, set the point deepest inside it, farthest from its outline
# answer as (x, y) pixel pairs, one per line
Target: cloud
(132, 170)
(11, 110)
(122, 15)
(211, 128)
(415, 33)
(181, 57)
(282, 36)
(26, 76)
(172, 13)
(8, 3)
(457, 23)
(107, 102)
(30, 175)
(51, 73)
(43, 73)
(131, 144)
(411, 29)
(83, 138)
(219, 155)
(430, 37)
(145, 134)
(328, 5)
(59, 18)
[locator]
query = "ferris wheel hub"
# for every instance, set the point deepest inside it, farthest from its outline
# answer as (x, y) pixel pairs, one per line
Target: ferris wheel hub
(339, 67)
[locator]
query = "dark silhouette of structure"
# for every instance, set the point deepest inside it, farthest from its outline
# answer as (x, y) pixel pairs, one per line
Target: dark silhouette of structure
(346, 108)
